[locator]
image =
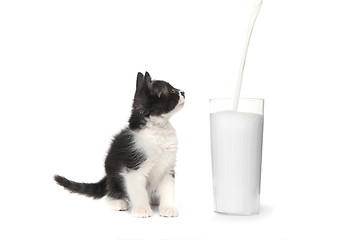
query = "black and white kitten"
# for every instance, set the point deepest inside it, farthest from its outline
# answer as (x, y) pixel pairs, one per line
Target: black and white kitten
(140, 162)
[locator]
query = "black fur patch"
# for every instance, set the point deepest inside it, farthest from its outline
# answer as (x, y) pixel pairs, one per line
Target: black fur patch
(122, 155)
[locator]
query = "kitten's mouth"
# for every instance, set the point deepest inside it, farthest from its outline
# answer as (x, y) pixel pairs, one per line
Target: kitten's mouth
(181, 102)
(180, 105)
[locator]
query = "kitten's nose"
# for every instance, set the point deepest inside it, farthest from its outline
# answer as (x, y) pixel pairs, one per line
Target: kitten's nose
(182, 93)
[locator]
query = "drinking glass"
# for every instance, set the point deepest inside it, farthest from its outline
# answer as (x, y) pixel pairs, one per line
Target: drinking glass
(236, 152)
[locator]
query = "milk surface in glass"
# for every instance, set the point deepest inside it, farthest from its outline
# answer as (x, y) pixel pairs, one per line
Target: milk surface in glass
(236, 149)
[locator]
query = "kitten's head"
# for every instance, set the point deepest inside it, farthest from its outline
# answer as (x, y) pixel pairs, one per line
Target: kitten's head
(156, 98)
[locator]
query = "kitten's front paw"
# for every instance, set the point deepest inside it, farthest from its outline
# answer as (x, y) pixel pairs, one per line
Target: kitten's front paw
(141, 212)
(168, 211)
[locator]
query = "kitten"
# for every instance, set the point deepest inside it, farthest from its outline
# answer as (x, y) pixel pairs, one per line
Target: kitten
(140, 162)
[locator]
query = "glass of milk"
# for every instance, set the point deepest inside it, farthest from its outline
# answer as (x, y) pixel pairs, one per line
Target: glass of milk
(236, 149)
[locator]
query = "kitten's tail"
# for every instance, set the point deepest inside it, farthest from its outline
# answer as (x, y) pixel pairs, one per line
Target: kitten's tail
(94, 190)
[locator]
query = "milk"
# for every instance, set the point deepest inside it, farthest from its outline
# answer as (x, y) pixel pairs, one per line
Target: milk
(236, 149)
(254, 14)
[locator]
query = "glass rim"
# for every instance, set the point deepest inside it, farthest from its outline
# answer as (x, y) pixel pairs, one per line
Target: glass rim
(254, 105)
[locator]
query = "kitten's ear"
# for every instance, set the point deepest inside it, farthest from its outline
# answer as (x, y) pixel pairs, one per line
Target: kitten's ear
(142, 81)
(147, 77)
(139, 79)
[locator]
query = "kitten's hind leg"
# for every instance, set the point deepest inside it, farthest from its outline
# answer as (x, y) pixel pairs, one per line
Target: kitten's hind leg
(117, 204)
(116, 196)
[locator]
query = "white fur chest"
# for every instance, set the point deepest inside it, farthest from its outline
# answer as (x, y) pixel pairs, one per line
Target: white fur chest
(159, 144)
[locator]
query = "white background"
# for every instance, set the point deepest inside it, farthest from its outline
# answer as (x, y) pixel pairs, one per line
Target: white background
(67, 79)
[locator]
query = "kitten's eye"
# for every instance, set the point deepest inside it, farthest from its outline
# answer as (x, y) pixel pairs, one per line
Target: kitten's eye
(173, 91)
